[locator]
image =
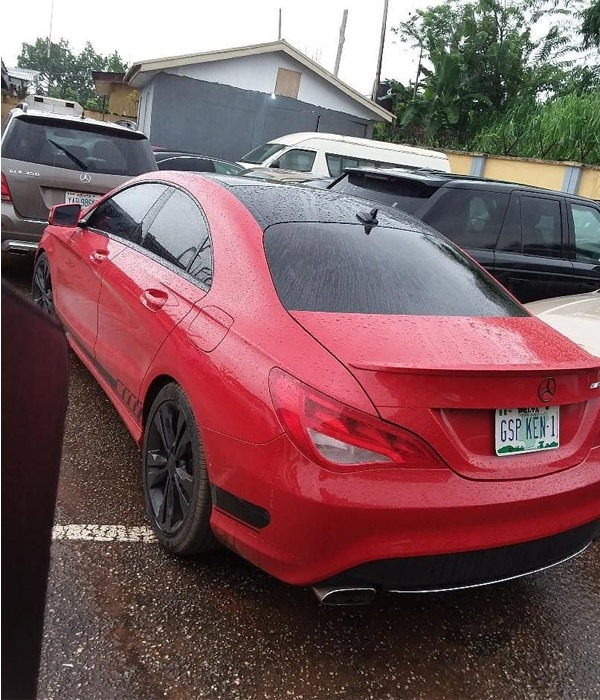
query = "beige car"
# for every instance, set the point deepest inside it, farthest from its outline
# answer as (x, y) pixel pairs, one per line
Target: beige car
(576, 316)
(53, 158)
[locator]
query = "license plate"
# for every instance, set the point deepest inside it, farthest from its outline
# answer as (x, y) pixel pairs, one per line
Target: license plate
(81, 198)
(520, 430)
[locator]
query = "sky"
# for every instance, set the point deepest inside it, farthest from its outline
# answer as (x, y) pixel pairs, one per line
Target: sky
(144, 30)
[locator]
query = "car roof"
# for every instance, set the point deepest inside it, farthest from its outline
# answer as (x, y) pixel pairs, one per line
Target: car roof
(276, 202)
(70, 118)
(435, 178)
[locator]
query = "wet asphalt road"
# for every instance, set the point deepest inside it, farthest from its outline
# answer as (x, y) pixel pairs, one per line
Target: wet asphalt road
(125, 620)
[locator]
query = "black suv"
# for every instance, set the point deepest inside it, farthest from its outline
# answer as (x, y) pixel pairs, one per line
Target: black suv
(538, 243)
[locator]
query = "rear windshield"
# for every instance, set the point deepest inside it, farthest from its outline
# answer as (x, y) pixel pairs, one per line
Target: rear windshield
(340, 268)
(75, 146)
(260, 154)
(404, 194)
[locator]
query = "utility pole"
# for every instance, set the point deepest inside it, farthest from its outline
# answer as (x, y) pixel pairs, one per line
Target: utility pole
(50, 29)
(279, 32)
(381, 43)
(338, 58)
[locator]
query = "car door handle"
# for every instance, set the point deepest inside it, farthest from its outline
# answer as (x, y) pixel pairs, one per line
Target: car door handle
(153, 299)
(98, 256)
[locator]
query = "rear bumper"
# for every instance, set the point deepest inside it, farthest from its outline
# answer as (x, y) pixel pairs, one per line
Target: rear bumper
(466, 569)
(319, 527)
(18, 234)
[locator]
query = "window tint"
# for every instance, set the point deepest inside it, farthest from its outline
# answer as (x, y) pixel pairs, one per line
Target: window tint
(510, 236)
(177, 231)
(187, 163)
(406, 195)
(78, 146)
(297, 159)
(338, 268)
(123, 214)
(586, 225)
(470, 218)
(202, 265)
(541, 226)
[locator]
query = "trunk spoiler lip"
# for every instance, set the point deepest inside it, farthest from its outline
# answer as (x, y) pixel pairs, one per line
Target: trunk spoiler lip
(583, 367)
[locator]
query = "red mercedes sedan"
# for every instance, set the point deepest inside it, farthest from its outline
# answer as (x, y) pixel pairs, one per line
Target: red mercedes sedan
(338, 394)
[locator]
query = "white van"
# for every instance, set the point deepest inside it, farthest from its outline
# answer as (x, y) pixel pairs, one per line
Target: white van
(328, 155)
(52, 104)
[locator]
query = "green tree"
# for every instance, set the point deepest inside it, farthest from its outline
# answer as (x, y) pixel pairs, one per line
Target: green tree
(483, 59)
(591, 25)
(66, 74)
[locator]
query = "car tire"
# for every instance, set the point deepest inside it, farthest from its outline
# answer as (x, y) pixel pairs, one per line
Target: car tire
(41, 285)
(174, 476)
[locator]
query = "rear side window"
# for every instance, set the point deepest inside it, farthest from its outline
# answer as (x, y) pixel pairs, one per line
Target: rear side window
(470, 218)
(339, 268)
(178, 231)
(541, 226)
(78, 146)
(404, 194)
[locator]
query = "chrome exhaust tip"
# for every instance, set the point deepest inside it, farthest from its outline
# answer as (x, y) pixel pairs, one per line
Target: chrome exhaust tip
(331, 595)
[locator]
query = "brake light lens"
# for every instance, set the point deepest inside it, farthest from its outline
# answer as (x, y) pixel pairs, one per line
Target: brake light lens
(335, 435)
(6, 195)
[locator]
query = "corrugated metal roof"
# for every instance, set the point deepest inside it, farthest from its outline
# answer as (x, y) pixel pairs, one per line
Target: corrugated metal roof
(22, 73)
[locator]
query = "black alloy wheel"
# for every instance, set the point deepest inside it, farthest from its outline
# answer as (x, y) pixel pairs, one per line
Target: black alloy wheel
(176, 486)
(41, 287)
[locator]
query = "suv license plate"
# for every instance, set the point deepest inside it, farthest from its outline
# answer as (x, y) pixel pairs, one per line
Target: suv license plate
(521, 430)
(81, 198)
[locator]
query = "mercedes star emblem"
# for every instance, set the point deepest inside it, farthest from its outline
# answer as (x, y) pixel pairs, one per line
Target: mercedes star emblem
(85, 177)
(547, 389)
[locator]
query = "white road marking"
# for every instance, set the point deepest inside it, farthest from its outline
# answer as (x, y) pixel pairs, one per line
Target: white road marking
(103, 533)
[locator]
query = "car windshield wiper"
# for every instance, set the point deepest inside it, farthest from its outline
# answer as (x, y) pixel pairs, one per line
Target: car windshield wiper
(69, 155)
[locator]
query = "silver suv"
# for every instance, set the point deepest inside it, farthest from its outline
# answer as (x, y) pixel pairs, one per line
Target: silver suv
(50, 158)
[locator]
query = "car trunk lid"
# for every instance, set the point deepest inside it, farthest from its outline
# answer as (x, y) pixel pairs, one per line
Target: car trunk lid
(445, 378)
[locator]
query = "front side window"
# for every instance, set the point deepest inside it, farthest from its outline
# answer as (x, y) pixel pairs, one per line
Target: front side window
(260, 154)
(78, 146)
(123, 214)
(470, 218)
(541, 227)
(178, 230)
(586, 226)
(339, 268)
(297, 159)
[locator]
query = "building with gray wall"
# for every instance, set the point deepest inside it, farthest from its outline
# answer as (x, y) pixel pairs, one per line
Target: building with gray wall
(225, 103)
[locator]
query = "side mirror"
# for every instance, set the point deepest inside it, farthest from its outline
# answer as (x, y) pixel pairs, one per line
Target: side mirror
(275, 164)
(64, 214)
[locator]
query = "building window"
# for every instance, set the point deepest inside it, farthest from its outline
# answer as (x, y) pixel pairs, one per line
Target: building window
(288, 83)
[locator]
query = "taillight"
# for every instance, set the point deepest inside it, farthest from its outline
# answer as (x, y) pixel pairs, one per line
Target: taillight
(6, 195)
(335, 435)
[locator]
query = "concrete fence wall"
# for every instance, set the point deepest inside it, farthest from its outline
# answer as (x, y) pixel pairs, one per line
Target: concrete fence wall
(566, 177)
